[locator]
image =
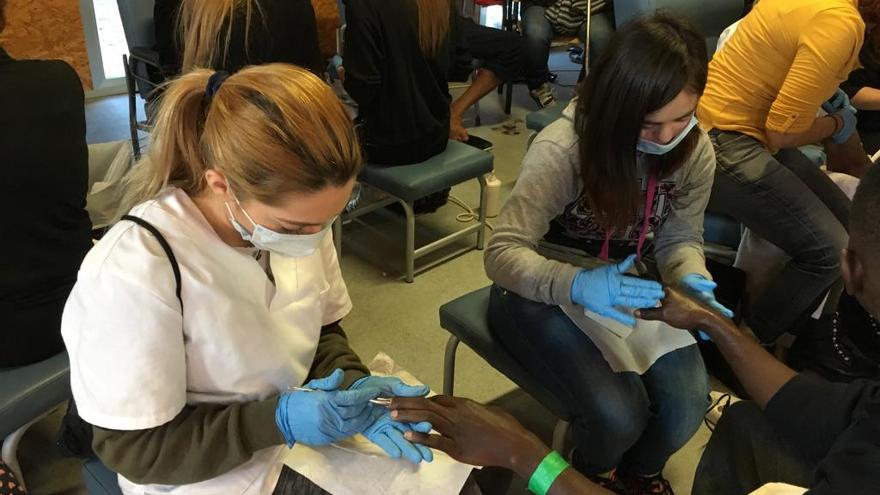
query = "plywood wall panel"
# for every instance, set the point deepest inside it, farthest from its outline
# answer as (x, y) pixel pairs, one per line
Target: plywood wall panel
(47, 29)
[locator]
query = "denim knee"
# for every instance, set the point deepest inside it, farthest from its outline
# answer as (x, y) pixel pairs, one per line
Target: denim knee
(680, 415)
(536, 27)
(604, 434)
(824, 257)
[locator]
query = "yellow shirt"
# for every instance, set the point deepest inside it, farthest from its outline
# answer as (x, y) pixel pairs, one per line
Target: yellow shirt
(784, 60)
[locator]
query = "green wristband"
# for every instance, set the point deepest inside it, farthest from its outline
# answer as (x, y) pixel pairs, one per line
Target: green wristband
(550, 468)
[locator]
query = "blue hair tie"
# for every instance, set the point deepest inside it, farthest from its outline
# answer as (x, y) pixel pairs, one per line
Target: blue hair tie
(215, 82)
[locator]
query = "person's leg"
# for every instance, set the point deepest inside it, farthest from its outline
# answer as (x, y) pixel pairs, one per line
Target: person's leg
(772, 200)
(678, 388)
(818, 181)
(500, 53)
(609, 410)
(744, 453)
(537, 35)
(482, 85)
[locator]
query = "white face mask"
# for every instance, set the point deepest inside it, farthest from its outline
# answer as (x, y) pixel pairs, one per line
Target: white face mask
(652, 148)
(290, 245)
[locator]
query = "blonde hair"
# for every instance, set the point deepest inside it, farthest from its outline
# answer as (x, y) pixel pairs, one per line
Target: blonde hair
(434, 18)
(272, 130)
(205, 30)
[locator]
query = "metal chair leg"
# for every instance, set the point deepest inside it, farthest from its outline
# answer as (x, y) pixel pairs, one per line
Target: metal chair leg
(410, 241)
(477, 120)
(132, 109)
(481, 234)
(449, 365)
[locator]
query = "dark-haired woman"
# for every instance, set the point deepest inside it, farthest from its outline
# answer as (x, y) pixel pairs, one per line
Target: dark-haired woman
(627, 160)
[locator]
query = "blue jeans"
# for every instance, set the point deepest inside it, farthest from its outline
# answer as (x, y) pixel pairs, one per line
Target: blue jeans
(788, 201)
(538, 35)
(619, 420)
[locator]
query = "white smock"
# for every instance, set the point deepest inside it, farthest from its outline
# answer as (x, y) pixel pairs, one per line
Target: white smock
(136, 361)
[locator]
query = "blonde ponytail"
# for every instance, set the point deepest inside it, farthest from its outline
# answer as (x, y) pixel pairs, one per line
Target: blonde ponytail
(434, 18)
(272, 130)
(174, 155)
(205, 30)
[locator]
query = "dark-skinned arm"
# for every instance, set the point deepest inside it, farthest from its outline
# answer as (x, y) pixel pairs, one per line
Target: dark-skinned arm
(760, 373)
(485, 436)
(847, 158)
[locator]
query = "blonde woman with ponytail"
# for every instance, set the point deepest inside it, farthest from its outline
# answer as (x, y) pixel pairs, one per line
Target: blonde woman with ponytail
(219, 291)
(231, 34)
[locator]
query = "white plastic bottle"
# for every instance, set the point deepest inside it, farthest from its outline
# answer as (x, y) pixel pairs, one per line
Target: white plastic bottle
(493, 195)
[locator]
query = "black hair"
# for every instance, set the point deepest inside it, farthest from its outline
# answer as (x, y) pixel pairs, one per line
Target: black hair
(864, 217)
(647, 63)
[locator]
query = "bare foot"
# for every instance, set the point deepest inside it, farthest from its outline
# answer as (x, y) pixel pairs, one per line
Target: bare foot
(457, 131)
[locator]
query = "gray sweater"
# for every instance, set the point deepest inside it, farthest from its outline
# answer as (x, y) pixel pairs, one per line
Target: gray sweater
(549, 192)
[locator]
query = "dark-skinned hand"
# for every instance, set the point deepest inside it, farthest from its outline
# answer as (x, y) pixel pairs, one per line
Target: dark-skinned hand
(680, 311)
(469, 432)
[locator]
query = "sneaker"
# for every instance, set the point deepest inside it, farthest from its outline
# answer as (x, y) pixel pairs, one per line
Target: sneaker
(543, 96)
(610, 483)
(645, 485)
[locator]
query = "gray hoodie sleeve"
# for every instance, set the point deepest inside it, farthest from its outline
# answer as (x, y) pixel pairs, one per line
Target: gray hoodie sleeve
(547, 183)
(678, 244)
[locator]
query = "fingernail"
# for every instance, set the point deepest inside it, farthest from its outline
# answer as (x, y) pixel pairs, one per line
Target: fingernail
(393, 414)
(408, 435)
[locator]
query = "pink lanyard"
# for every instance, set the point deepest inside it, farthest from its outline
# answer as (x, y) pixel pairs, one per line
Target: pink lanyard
(649, 210)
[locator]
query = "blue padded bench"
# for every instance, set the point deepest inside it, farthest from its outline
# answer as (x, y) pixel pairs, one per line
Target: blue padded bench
(407, 183)
(537, 121)
(721, 230)
(27, 394)
(467, 319)
(99, 480)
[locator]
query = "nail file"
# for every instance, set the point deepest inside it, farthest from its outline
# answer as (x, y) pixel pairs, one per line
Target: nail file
(380, 401)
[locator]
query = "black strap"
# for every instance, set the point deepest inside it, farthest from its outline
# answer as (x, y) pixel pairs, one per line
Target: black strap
(165, 246)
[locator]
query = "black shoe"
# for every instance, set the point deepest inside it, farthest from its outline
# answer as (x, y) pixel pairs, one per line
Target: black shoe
(646, 485)
(611, 483)
(608, 482)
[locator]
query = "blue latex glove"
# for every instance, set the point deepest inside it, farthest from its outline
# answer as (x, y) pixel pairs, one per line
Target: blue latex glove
(325, 415)
(333, 67)
(849, 125)
(704, 290)
(388, 434)
(390, 386)
(838, 102)
(603, 290)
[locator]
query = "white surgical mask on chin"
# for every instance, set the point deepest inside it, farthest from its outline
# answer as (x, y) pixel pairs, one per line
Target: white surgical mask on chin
(652, 148)
(290, 245)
